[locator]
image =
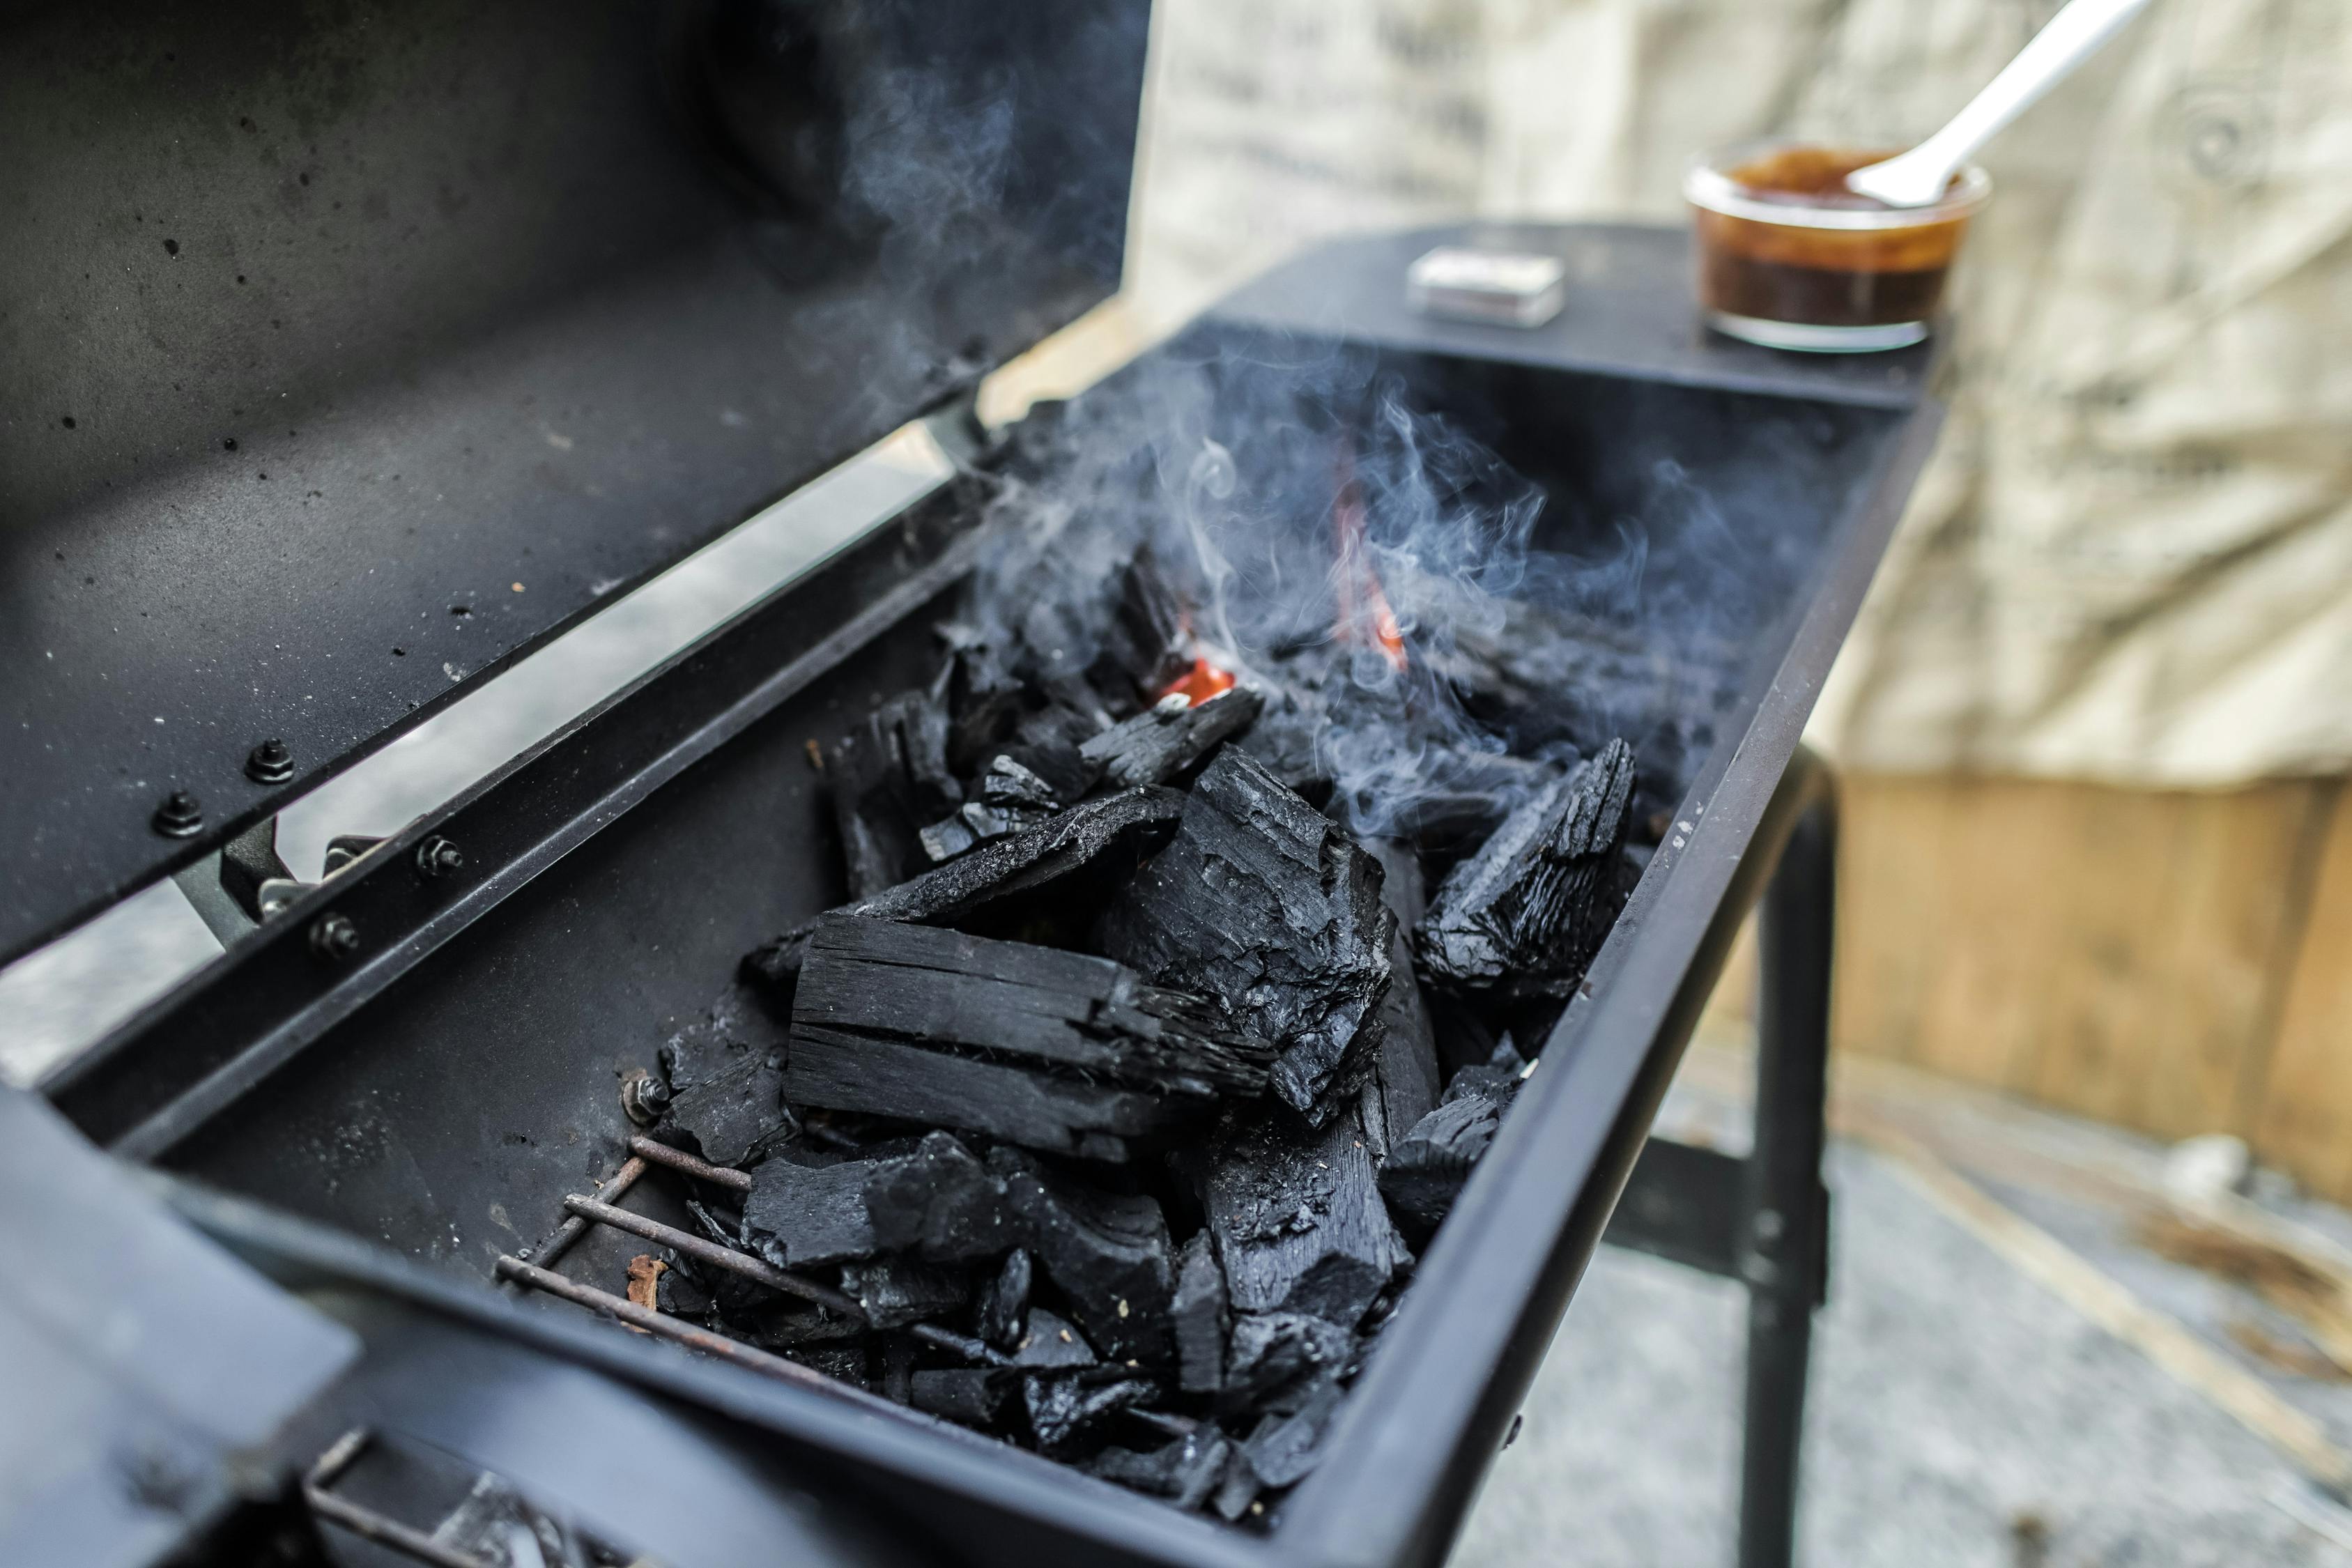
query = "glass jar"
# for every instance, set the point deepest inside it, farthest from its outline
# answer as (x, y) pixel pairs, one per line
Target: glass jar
(1788, 257)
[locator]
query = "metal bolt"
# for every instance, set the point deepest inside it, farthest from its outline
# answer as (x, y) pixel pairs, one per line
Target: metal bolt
(270, 763)
(644, 1096)
(334, 937)
(437, 857)
(179, 816)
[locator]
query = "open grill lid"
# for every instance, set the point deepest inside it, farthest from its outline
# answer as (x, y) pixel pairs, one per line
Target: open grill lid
(348, 352)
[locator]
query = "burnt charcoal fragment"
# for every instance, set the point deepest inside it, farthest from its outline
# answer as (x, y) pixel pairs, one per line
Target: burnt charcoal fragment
(1168, 740)
(886, 778)
(995, 886)
(1525, 913)
(1067, 1408)
(938, 1204)
(1497, 1076)
(1186, 1470)
(1278, 1358)
(1198, 1312)
(1059, 1051)
(1298, 1217)
(984, 1397)
(1005, 1301)
(725, 1077)
(1284, 1448)
(1266, 905)
(1429, 1166)
(1406, 1072)
(1049, 1342)
(1140, 652)
(1107, 1253)
(895, 1292)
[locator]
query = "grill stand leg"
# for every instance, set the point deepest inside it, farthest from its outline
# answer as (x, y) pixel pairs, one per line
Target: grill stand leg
(1785, 1258)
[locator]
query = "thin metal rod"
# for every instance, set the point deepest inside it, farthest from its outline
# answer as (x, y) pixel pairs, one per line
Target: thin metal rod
(366, 1522)
(572, 1229)
(679, 1160)
(760, 1271)
(537, 1278)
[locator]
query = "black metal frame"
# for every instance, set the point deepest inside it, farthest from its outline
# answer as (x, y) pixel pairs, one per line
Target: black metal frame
(1765, 1220)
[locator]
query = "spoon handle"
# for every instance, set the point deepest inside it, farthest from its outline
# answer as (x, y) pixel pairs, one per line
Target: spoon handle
(2075, 34)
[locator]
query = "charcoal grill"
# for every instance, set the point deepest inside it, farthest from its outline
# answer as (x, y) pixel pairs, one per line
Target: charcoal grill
(426, 1052)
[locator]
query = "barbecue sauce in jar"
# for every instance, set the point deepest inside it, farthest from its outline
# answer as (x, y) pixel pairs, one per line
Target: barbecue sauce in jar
(1789, 257)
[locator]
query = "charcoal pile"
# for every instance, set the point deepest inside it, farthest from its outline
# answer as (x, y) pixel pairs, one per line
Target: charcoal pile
(1109, 1112)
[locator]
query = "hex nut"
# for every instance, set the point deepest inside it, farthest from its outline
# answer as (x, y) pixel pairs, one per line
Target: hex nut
(334, 937)
(270, 763)
(179, 816)
(437, 857)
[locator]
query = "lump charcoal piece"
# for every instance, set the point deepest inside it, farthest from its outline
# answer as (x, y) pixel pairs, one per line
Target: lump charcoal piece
(1298, 1217)
(1066, 1408)
(679, 1294)
(1278, 1358)
(982, 697)
(1498, 1075)
(1003, 1311)
(976, 822)
(948, 837)
(1140, 645)
(1008, 782)
(984, 1397)
(1427, 1169)
(899, 1370)
(938, 1202)
(789, 1325)
(1185, 1470)
(797, 1215)
(895, 1292)
(1264, 904)
(1166, 740)
(1199, 1315)
(1405, 1073)
(1049, 1342)
(1057, 859)
(886, 777)
(1284, 1448)
(1528, 911)
(1107, 1253)
(726, 1078)
(842, 1364)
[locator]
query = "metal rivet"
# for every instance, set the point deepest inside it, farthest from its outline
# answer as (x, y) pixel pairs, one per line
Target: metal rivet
(437, 857)
(179, 816)
(334, 937)
(270, 763)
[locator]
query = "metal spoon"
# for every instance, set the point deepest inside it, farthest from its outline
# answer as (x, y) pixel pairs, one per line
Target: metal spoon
(1918, 178)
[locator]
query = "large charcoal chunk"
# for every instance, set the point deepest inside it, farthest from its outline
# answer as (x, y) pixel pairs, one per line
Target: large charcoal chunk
(1057, 1050)
(1528, 911)
(996, 885)
(1198, 1316)
(1264, 904)
(1165, 742)
(725, 1076)
(938, 1204)
(1298, 1217)
(1405, 1073)
(1107, 1253)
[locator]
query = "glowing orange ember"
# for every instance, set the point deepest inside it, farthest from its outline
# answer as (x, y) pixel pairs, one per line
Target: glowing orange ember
(1199, 683)
(1364, 615)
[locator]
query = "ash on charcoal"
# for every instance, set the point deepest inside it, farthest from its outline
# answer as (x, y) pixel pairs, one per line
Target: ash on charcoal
(895, 1292)
(1186, 1470)
(1264, 904)
(1048, 1342)
(985, 1397)
(1298, 1217)
(1527, 912)
(937, 1203)
(1278, 1359)
(1066, 1408)
(1199, 1317)
(1107, 1253)
(1060, 862)
(725, 1076)
(1168, 740)
(886, 778)
(1429, 1166)
(1059, 1051)
(1004, 1309)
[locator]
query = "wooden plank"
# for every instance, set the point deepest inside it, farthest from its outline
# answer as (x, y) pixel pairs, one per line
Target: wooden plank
(2304, 1121)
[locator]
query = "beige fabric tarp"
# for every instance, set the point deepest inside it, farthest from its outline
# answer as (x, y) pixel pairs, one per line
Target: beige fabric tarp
(2131, 558)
